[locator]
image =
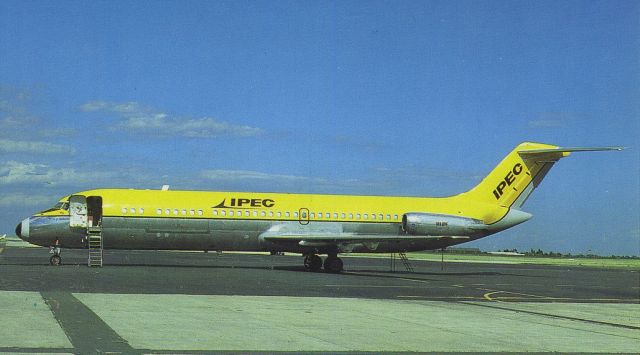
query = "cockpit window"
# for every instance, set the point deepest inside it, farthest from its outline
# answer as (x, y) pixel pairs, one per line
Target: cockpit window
(62, 206)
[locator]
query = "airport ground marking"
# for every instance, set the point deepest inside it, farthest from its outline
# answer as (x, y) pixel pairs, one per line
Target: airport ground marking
(441, 297)
(525, 299)
(413, 280)
(488, 295)
(372, 286)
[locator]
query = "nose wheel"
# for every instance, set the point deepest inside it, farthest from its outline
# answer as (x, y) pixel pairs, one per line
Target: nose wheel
(55, 260)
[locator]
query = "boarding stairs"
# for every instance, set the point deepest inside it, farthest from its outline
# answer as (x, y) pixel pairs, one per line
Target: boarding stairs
(94, 238)
(404, 259)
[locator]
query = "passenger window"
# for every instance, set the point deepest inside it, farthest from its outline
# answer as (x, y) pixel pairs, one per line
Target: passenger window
(223, 213)
(380, 216)
(270, 213)
(388, 217)
(350, 215)
(373, 216)
(192, 212)
(295, 214)
(124, 210)
(279, 214)
(215, 212)
(159, 211)
(200, 212)
(184, 212)
(263, 213)
(366, 216)
(133, 210)
(141, 211)
(175, 212)
(230, 213)
(312, 215)
(167, 211)
(395, 216)
(246, 213)
(335, 216)
(357, 215)
(343, 216)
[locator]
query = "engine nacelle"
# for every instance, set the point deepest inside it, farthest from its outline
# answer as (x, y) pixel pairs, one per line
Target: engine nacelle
(416, 223)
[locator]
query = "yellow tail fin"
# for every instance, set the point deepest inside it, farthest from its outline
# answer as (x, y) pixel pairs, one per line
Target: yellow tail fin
(520, 172)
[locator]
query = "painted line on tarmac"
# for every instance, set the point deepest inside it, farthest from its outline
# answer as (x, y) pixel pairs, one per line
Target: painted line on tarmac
(413, 280)
(88, 333)
(488, 295)
(385, 286)
(442, 297)
(372, 286)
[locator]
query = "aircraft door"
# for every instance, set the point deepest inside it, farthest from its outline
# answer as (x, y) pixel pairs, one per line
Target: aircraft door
(94, 211)
(77, 211)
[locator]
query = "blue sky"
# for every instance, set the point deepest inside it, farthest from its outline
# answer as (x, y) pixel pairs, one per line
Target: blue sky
(360, 97)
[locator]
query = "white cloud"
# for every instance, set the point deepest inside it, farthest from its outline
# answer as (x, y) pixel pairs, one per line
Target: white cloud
(24, 200)
(13, 172)
(11, 146)
(546, 123)
(551, 120)
(17, 120)
(235, 175)
(135, 117)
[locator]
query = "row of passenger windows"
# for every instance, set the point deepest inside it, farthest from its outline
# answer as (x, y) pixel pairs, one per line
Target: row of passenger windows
(278, 214)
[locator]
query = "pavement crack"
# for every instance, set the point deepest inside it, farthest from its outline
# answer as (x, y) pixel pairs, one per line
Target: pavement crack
(553, 315)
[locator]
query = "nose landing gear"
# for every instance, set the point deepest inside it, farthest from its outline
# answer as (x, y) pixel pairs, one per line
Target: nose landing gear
(55, 259)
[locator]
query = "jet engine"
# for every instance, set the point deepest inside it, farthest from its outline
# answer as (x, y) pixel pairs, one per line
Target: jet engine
(416, 223)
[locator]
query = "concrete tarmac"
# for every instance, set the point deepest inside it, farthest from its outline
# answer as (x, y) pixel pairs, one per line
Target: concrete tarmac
(188, 302)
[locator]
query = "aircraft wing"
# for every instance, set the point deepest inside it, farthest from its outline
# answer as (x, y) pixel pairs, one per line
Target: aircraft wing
(329, 239)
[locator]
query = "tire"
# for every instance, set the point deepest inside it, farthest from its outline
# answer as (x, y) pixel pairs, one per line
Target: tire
(333, 265)
(312, 263)
(55, 260)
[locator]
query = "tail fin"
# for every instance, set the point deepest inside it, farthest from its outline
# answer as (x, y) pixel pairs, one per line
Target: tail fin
(520, 172)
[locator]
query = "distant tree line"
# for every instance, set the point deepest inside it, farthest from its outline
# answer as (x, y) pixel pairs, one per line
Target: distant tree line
(552, 254)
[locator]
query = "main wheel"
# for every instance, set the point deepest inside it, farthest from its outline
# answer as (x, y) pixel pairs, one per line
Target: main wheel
(312, 262)
(55, 260)
(333, 265)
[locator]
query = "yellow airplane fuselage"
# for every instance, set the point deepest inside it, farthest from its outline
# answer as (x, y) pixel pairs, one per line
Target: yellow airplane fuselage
(306, 223)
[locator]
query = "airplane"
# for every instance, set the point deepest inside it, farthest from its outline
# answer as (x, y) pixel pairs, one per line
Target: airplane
(309, 224)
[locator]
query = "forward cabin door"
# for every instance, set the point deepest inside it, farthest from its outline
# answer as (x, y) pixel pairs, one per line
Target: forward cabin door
(94, 211)
(78, 211)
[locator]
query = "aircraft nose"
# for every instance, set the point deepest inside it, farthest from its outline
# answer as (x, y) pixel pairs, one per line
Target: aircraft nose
(22, 229)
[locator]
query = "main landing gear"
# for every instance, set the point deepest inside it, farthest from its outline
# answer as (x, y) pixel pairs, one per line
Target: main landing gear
(332, 263)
